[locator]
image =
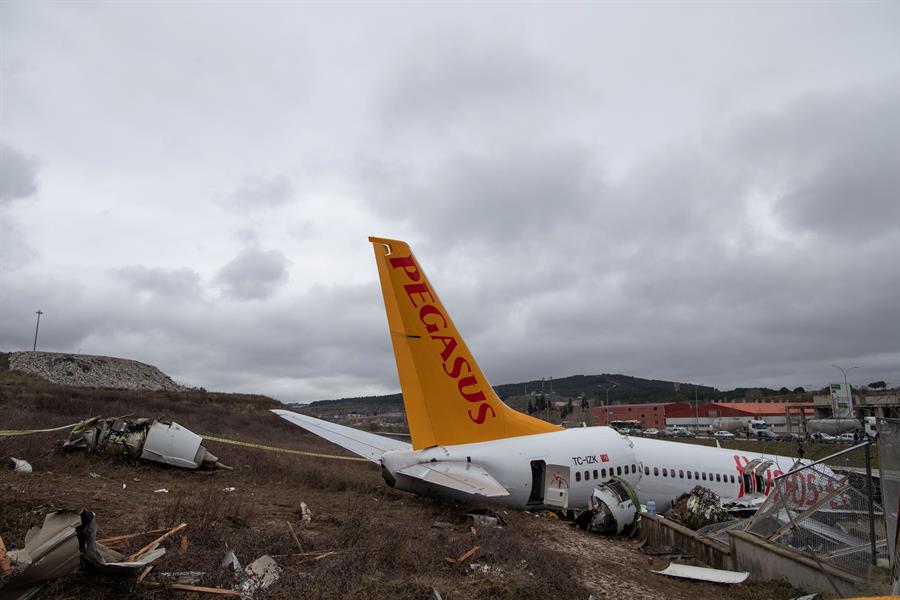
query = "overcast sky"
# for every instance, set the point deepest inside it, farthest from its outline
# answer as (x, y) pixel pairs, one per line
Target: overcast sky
(704, 192)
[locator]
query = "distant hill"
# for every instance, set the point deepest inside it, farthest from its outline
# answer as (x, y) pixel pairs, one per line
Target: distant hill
(623, 389)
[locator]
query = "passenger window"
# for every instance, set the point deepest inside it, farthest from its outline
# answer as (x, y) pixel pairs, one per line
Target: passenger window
(634, 468)
(618, 470)
(646, 470)
(696, 475)
(656, 471)
(704, 476)
(595, 474)
(577, 476)
(665, 472)
(604, 473)
(689, 474)
(718, 477)
(680, 474)
(587, 475)
(732, 478)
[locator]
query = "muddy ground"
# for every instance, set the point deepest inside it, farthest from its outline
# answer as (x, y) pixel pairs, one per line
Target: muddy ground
(386, 544)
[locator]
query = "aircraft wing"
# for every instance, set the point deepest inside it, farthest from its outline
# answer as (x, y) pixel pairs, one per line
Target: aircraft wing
(457, 475)
(368, 445)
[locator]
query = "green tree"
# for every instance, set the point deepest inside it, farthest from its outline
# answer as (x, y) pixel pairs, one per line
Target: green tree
(878, 385)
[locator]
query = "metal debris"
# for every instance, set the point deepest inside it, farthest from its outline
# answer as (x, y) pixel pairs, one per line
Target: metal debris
(613, 509)
(20, 466)
(108, 561)
(65, 541)
(159, 440)
(698, 509)
(231, 561)
(704, 574)
(485, 517)
(261, 573)
(305, 512)
(50, 551)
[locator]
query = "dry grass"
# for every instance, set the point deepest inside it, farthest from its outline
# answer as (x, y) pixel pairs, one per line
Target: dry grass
(386, 545)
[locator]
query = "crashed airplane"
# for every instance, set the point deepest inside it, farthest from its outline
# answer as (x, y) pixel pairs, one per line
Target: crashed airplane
(468, 445)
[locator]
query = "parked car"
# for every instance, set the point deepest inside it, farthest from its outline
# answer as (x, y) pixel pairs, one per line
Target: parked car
(684, 433)
(765, 434)
(822, 437)
(723, 435)
(847, 437)
(651, 431)
(635, 431)
(788, 437)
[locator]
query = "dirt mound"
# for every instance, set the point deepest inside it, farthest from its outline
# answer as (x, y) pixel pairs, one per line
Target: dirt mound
(93, 371)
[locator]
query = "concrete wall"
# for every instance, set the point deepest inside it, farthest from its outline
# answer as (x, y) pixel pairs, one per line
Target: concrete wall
(661, 533)
(766, 561)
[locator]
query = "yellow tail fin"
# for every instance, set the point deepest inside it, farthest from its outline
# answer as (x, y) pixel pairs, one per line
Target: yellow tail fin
(448, 400)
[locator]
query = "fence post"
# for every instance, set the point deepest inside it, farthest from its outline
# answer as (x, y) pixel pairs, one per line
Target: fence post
(869, 494)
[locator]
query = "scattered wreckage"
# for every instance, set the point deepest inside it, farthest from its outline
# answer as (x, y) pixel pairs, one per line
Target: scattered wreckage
(67, 542)
(64, 543)
(159, 440)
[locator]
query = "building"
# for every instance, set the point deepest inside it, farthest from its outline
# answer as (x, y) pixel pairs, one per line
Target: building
(709, 414)
(647, 415)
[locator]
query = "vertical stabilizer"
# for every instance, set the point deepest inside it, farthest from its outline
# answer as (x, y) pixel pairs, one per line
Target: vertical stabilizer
(448, 400)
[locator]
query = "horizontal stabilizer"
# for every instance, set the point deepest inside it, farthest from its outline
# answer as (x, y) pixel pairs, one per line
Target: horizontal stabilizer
(462, 476)
(367, 445)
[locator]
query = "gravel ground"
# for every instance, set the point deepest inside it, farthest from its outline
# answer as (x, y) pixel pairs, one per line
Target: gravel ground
(92, 371)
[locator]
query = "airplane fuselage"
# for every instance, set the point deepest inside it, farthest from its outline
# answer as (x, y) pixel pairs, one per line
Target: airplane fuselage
(584, 457)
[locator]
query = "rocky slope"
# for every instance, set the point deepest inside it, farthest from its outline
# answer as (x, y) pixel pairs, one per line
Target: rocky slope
(92, 371)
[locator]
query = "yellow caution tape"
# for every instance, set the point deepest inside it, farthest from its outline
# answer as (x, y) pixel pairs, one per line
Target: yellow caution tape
(283, 450)
(10, 432)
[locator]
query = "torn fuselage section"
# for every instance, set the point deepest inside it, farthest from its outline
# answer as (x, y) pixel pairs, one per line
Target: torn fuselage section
(159, 440)
(613, 509)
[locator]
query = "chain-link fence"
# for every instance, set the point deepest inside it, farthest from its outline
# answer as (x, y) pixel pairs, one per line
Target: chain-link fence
(824, 513)
(889, 462)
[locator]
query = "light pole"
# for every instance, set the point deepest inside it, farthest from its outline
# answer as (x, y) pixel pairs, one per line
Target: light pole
(36, 327)
(606, 406)
(846, 386)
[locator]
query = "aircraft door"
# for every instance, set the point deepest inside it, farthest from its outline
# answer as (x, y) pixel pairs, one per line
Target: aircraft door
(556, 486)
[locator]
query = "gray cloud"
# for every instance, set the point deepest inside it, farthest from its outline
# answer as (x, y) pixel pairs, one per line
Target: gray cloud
(171, 283)
(258, 192)
(699, 201)
(254, 274)
(18, 174)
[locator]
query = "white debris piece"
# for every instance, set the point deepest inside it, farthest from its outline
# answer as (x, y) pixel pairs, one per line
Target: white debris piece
(229, 489)
(161, 491)
(231, 560)
(704, 574)
(261, 573)
(305, 512)
(20, 466)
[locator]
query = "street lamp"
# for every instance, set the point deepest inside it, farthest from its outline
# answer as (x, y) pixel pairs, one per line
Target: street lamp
(846, 386)
(607, 388)
(36, 327)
